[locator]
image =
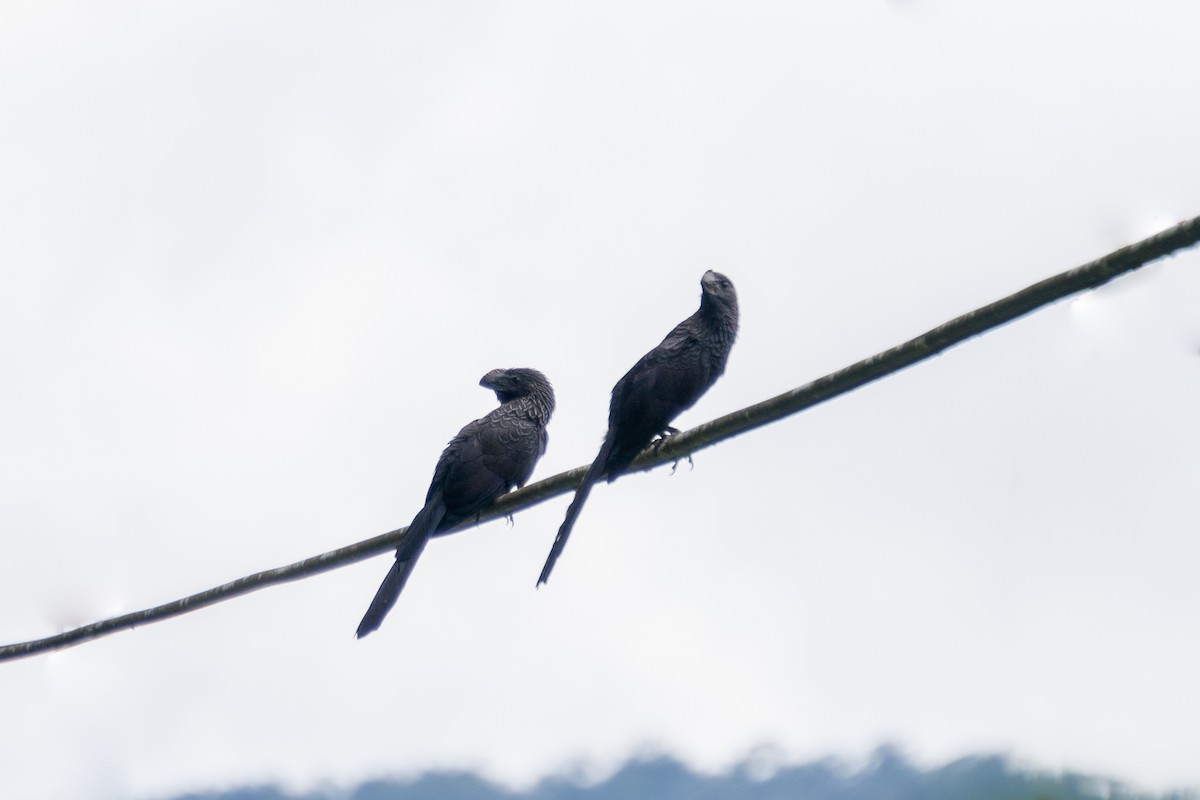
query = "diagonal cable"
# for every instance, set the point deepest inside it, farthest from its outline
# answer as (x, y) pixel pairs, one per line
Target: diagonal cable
(928, 344)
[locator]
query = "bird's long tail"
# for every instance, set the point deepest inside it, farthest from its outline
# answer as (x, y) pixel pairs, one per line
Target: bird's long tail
(410, 549)
(594, 473)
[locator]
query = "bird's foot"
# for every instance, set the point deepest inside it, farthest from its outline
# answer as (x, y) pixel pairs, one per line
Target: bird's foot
(688, 458)
(665, 434)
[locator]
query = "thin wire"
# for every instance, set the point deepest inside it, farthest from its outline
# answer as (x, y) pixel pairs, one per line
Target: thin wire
(928, 344)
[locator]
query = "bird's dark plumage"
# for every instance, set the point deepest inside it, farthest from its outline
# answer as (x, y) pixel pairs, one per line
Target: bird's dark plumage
(488, 457)
(662, 384)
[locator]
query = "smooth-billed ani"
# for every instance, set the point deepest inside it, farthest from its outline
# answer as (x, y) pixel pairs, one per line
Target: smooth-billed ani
(487, 458)
(665, 382)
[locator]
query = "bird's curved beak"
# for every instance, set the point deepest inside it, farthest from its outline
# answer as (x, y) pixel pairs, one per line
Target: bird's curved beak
(488, 381)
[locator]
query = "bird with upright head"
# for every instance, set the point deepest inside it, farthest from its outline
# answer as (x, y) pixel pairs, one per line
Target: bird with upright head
(490, 456)
(661, 385)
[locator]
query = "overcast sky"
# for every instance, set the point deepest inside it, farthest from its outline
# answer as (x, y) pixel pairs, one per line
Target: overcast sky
(256, 257)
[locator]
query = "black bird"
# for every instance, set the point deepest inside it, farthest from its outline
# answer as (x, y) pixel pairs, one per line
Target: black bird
(665, 382)
(487, 458)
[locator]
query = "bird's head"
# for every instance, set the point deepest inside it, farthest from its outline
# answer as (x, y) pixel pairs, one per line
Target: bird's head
(509, 384)
(716, 288)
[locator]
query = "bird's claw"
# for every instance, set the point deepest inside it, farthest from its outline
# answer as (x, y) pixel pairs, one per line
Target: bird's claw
(688, 458)
(665, 434)
(662, 437)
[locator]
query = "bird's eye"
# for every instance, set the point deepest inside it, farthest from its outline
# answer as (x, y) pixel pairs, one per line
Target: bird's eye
(725, 284)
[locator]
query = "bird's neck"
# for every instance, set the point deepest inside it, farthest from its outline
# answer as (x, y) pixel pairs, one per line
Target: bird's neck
(537, 405)
(721, 320)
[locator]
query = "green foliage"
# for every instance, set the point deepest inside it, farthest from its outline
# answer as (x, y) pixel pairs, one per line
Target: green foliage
(888, 776)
